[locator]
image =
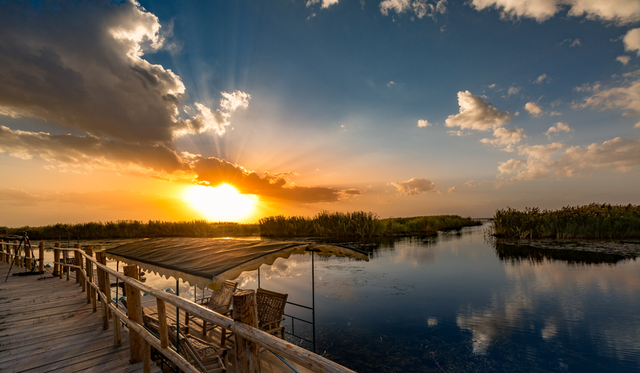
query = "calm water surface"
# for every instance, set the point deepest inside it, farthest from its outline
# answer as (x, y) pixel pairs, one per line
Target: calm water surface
(458, 303)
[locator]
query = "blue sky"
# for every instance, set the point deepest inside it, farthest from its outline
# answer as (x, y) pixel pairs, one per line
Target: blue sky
(400, 107)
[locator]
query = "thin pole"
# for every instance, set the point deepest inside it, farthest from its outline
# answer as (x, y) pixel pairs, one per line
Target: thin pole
(313, 300)
(258, 277)
(117, 283)
(178, 318)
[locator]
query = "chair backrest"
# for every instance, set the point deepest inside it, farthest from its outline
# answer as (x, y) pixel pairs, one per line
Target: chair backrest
(221, 299)
(270, 305)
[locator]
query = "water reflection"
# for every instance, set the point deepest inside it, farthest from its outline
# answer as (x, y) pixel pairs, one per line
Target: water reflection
(517, 253)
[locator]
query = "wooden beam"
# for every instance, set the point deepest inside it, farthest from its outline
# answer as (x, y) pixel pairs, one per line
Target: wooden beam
(134, 309)
(245, 310)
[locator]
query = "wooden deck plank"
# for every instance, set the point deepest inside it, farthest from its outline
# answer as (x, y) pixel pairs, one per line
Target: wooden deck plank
(47, 326)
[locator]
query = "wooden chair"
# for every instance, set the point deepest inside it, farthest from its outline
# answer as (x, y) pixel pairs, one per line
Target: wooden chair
(220, 302)
(271, 311)
(205, 356)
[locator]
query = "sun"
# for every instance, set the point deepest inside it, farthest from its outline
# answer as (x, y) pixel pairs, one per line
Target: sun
(222, 203)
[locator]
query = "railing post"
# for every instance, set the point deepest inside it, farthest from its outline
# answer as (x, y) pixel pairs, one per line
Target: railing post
(245, 310)
(27, 257)
(104, 289)
(78, 262)
(91, 297)
(2, 255)
(56, 258)
(162, 320)
(134, 309)
(41, 256)
(16, 254)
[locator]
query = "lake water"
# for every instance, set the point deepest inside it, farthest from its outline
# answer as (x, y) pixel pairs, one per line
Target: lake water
(460, 303)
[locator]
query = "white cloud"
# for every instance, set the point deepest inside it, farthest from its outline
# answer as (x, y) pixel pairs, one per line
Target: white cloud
(559, 127)
(622, 155)
(632, 40)
(513, 90)
(324, 3)
(423, 123)
(623, 59)
(98, 83)
(414, 186)
(618, 11)
(626, 96)
(452, 190)
(540, 79)
(506, 138)
(420, 8)
(533, 109)
(477, 114)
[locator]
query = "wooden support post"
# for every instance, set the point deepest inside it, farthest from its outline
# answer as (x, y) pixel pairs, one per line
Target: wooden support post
(117, 335)
(146, 356)
(91, 296)
(245, 310)
(2, 255)
(104, 289)
(27, 257)
(16, 254)
(78, 262)
(162, 319)
(41, 256)
(134, 308)
(56, 258)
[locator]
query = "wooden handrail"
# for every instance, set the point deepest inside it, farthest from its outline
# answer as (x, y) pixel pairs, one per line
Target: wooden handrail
(301, 356)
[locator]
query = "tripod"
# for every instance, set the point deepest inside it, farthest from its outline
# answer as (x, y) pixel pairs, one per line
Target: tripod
(24, 239)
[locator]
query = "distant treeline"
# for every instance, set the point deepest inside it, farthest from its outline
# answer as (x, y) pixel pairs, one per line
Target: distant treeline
(135, 229)
(358, 224)
(589, 221)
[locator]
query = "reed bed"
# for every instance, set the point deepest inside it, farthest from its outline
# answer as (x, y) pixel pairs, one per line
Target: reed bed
(136, 229)
(594, 221)
(358, 224)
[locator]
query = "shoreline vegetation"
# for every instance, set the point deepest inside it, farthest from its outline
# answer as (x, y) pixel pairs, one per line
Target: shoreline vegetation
(326, 225)
(593, 221)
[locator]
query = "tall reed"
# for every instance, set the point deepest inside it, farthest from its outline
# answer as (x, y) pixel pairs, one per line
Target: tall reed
(598, 221)
(358, 224)
(135, 229)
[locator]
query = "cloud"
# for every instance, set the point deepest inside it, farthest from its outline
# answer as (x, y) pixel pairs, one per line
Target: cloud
(623, 59)
(617, 11)
(573, 42)
(414, 186)
(82, 67)
(214, 172)
(631, 41)
(533, 109)
(325, 3)
(477, 114)
(506, 138)
(541, 79)
(89, 152)
(619, 154)
(513, 90)
(452, 190)
(420, 8)
(423, 123)
(559, 127)
(625, 96)
(19, 197)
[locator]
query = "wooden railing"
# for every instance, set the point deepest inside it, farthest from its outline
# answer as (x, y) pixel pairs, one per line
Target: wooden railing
(249, 338)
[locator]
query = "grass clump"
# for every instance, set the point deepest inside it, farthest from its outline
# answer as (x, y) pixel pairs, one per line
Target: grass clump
(358, 224)
(136, 229)
(593, 221)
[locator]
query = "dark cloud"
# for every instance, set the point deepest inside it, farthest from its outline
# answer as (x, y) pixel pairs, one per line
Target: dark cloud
(216, 171)
(92, 152)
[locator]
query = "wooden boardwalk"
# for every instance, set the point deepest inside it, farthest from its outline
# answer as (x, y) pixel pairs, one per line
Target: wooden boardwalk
(47, 326)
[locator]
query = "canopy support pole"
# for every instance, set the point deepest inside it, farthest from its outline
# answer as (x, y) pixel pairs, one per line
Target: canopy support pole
(313, 301)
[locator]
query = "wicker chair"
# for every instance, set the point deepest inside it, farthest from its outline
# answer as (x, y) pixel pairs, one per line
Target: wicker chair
(220, 302)
(270, 311)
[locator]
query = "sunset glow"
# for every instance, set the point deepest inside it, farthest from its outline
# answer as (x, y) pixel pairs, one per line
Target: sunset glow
(222, 203)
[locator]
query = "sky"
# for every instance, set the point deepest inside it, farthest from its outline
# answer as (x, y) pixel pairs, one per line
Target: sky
(141, 110)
